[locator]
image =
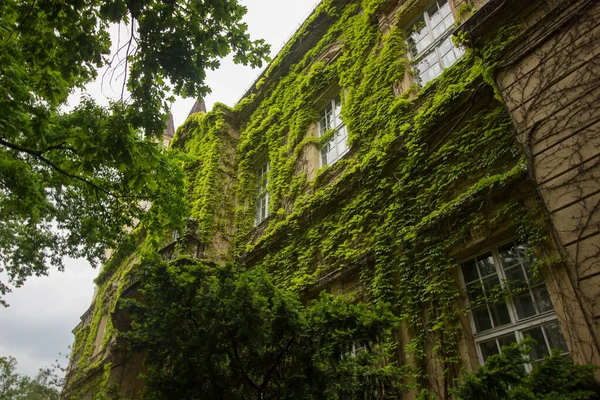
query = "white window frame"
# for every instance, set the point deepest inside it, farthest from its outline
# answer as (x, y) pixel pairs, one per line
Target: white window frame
(331, 118)
(357, 347)
(262, 199)
(517, 326)
(433, 50)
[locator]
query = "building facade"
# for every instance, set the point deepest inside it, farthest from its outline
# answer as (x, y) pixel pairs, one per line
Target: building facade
(440, 155)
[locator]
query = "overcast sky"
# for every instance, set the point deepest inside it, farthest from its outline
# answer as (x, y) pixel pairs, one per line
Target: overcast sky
(37, 325)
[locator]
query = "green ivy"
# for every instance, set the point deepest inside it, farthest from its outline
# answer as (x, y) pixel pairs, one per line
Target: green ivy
(426, 166)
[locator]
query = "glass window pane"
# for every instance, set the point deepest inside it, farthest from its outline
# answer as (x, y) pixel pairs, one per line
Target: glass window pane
(469, 270)
(482, 319)
(335, 155)
(420, 38)
(458, 52)
(434, 71)
(428, 68)
(337, 112)
(435, 17)
(486, 265)
(425, 76)
(331, 156)
(491, 283)
(555, 337)
(475, 291)
(527, 260)
(446, 46)
(539, 349)
(419, 30)
(438, 29)
(449, 58)
(489, 348)
(444, 8)
(542, 299)
(440, 19)
(507, 340)
(262, 208)
(262, 200)
(508, 255)
(322, 125)
(515, 276)
(262, 181)
(500, 314)
(448, 21)
(325, 122)
(524, 305)
(423, 43)
(449, 52)
(522, 249)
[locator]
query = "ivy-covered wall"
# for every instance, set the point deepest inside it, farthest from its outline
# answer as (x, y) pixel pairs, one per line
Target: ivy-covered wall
(209, 143)
(88, 376)
(426, 169)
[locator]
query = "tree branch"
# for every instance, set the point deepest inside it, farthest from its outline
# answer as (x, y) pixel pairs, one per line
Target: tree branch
(237, 358)
(269, 373)
(61, 146)
(10, 39)
(131, 39)
(39, 156)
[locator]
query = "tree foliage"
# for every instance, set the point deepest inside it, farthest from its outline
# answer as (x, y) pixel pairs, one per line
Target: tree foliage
(503, 377)
(10, 382)
(221, 332)
(14, 386)
(71, 180)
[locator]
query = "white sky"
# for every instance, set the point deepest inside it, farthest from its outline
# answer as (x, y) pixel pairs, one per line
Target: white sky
(37, 325)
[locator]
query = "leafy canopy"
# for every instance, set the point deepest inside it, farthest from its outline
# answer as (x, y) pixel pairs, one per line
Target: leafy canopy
(503, 377)
(212, 331)
(14, 386)
(70, 181)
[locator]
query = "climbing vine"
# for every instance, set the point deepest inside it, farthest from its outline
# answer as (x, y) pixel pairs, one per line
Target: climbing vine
(427, 167)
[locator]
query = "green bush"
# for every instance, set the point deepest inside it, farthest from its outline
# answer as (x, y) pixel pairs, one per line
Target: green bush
(503, 377)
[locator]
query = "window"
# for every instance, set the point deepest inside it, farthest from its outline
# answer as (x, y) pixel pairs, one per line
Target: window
(430, 42)
(499, 319)
(262, 201)
(357, 347)
(337, 146)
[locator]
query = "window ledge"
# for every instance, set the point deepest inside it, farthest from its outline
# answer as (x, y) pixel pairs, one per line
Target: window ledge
(330, 173)
(259, 230)
(517, 326)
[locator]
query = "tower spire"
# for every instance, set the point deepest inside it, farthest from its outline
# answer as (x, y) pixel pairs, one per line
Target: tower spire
(199, 106)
